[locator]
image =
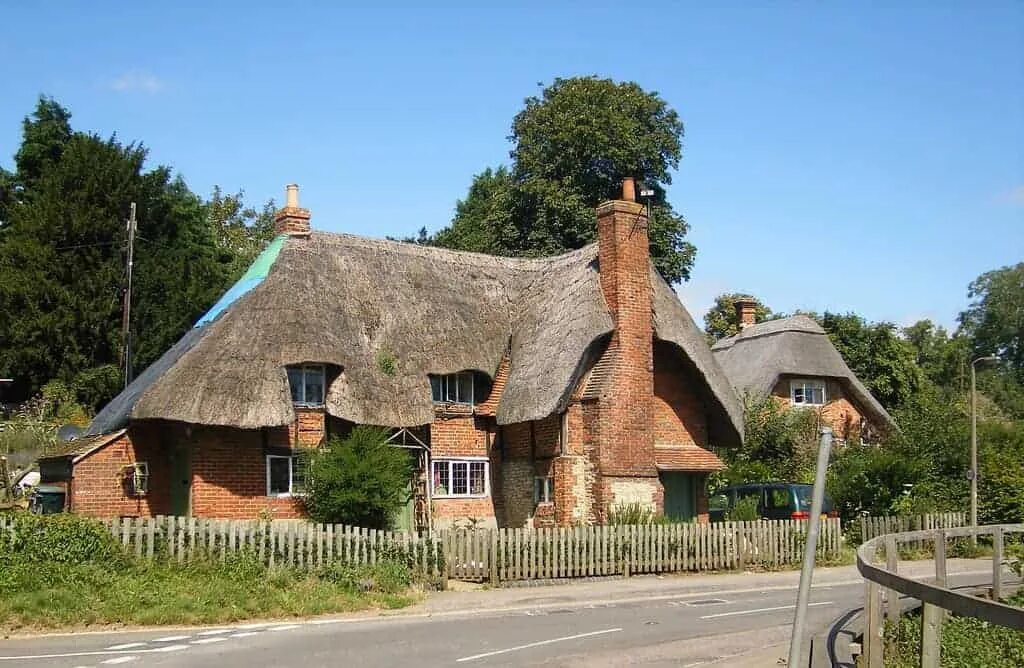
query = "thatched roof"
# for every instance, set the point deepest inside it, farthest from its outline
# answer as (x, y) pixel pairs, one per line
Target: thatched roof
(350, 301)
(759, 355)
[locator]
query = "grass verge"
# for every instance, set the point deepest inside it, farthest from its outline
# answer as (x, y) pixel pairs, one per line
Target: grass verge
(79, 580)
(966, 642)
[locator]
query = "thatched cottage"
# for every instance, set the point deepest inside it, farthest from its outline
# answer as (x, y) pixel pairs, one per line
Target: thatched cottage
(528, 391)
(793, 360)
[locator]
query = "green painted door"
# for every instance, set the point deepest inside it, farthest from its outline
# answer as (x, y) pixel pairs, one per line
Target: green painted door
(181, 481)
(680, 494)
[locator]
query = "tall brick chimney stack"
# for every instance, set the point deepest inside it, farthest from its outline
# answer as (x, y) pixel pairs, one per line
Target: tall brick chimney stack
(292, 219)
(627, 434)
(746, 311)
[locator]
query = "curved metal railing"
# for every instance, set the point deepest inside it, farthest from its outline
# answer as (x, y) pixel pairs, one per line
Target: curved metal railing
(935, 597)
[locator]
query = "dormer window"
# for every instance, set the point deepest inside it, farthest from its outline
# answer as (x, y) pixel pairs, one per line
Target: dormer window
(307, 384)
(807, 392)
(466, 388)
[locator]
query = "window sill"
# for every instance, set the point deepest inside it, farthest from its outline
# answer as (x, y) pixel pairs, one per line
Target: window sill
(286, 495)
(451, 497)
(297, 405)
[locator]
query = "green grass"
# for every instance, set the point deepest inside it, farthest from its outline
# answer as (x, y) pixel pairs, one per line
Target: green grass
(966, 642)
(46, 596)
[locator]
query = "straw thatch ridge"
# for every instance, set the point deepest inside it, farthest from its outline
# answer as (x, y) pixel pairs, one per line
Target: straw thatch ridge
(349, 302)
(757, 357)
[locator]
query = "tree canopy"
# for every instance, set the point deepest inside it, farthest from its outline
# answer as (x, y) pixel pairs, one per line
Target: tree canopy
(572, 145)
(994, 320)
(62, 268)
(721, 319)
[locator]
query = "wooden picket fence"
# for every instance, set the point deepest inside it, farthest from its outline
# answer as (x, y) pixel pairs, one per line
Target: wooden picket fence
(494, 555)
(294, 543)
(504, 555)
(874, 526)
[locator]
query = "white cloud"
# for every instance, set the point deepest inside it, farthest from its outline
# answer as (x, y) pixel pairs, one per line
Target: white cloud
(137, 81)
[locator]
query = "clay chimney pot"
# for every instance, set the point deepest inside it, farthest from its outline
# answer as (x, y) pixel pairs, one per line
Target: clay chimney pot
(629, 189)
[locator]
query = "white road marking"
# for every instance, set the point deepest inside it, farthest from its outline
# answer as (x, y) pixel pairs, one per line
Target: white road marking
(127, 645)
(752, 612)
(287, 627)
(169, 648)
(207, 641)
(171, 638)
(213, 632)
(253, 626)
(536, 644)
(120, 659)
(244, 634)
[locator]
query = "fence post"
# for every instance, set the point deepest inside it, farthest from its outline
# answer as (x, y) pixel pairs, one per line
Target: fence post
(892, 597)
(873, 628)
(931, 636)
(940, 558)
(997, 563)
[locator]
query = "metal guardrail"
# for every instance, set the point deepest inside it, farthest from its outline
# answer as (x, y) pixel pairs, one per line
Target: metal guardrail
(935, 597)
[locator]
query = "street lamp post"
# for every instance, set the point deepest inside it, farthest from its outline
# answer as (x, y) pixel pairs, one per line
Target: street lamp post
(974, 439)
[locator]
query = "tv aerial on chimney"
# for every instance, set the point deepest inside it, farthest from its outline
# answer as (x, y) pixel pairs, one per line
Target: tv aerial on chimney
(647, 194)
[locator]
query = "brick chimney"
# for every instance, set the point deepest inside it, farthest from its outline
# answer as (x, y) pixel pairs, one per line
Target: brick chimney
(746, 311)
(624, 262)
(292, 219)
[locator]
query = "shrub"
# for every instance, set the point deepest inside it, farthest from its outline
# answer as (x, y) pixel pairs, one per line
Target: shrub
(745, 510)
(62, 539)
(633, 514)
(360, 480)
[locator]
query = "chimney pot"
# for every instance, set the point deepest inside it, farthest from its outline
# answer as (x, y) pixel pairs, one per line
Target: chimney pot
(629, 189)
(292, 219)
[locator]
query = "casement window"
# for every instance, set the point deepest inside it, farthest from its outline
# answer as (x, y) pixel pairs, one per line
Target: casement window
(286, 475)
(136, 479)
(806, 392)
(460, 477)
(543, 490)
(307, 384)
(467, 388)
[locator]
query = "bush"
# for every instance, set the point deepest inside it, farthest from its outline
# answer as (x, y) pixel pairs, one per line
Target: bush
(632, 514)
(359, 480)
(745, 510)
(62, 539)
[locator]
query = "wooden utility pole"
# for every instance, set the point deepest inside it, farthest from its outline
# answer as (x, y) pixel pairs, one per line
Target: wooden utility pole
(126, 314)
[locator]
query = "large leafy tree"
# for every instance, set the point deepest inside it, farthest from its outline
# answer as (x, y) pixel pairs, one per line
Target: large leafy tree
(721, 320)
(880, 357)
(62, 263)
(994, 320)
(572, 145)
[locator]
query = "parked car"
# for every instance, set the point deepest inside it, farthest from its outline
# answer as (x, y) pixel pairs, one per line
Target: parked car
(775, 501)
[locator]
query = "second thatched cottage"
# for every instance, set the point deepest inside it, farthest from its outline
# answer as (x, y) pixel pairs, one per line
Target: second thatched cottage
(529, 391)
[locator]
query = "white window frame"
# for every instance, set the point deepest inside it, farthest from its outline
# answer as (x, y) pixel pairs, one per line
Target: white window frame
(548, 487)
(323, 384)
(803, 384)
(291, 477)
(137, 476)
(448, 494)
(444, 379)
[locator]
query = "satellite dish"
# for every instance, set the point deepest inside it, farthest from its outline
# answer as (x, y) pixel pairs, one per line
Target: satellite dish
(69, 432)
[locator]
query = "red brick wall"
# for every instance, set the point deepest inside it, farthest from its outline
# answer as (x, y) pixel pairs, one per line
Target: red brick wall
(229, 476)
(96, 485)
(679, 414)
(839, 411)
(625, 430)
(454, 436)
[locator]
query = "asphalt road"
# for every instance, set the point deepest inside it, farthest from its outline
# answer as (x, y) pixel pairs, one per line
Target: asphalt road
(655, 628)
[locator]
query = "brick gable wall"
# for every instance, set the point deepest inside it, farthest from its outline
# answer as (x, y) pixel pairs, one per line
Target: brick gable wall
(839, 411)
(97, 489)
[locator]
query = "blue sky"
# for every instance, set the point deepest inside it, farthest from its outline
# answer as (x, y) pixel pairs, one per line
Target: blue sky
(843, 156)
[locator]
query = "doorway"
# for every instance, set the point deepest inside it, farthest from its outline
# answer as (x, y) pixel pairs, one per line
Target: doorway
(181, 481)
(680, 494)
